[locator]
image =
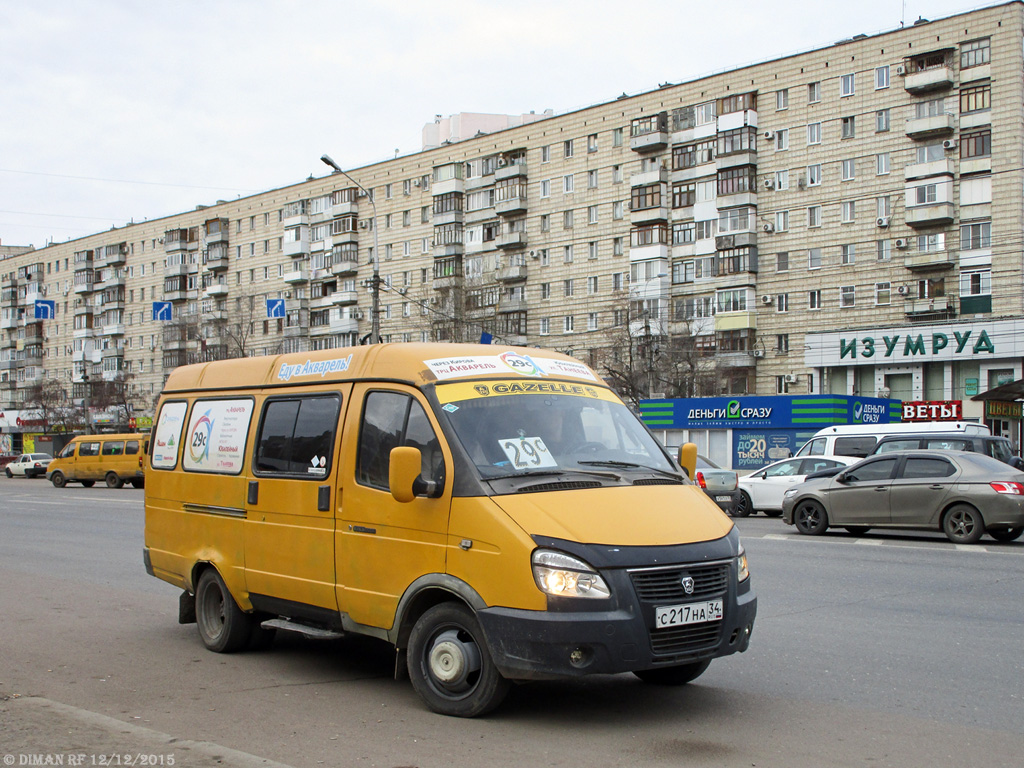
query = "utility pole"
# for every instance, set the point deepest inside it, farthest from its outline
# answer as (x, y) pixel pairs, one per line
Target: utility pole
(375, 280)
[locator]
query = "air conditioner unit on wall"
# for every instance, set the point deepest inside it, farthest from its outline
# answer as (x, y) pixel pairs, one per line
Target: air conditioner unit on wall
(903, 290)
(767, 299)
(790, 378)
(769, 135)
(901, 243)
(882, 221)
(901, 70)
(949, 144)
(769, 183)
(758, 353)
(768, 227)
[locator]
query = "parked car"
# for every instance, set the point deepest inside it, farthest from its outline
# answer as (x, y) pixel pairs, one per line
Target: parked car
(962, 494)
(29, 465)
(860, 439)
(991, 445)
(763, 490)
(720, 484)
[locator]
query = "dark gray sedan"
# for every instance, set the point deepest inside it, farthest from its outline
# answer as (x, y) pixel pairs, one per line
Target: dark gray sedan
(961, 494)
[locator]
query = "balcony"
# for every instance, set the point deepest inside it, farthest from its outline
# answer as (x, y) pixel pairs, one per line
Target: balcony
(112, 280)
(512, 304)
(343, 298)
(651, 141)
(649, 215)
(943, 167)
(931, 126)
(115, 255)
(510, 171)
(176, 270)
(657, 176)
(735, 160)
(511, 205)
(938, 307)
(296, 331)
(345, 267)
(929, 260)
(8, 322)
(511, 274)
(297, 246)
(447, 272)
(83, 333)
(114, 329)
(349, 208)
(933, 79)
(179, 294)
(218, 262)
(297, 276)
(216, 290)
(930, 215)
(216, 231)
(511, 240)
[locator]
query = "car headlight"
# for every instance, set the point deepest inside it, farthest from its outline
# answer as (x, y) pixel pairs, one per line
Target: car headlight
(742, 572)
(562, 575)
(790, 492)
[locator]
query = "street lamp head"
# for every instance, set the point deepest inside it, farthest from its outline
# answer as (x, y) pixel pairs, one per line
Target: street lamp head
(326, 159)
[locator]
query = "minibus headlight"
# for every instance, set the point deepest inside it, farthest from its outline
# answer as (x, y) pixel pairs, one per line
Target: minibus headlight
(742, 573)
(562, 575)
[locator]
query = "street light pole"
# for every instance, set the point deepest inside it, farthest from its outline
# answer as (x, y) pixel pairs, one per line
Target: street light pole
(375, 280)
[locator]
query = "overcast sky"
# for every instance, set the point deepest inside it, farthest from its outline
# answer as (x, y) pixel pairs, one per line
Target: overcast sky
(113, 111)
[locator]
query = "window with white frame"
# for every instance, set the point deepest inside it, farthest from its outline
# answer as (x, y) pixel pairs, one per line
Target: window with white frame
(814, 92)
(881, 77)
(545, 188)
(568, 183)
(848, 211)
(883, 293)
(925, 194)
(882, 122)
(592, 179)
(849, 127)
(847, 296)
(592, 214)
(882, 164)
(568, 324)
(814, 133)
(782, 302)
(849, 168)
(781, 221)
(976, 236)
(814, 258)
(847, 254)
(814, 299)
(929, 153)
(782, 179)
(782, 99)
(814, 216)
(782, 139)
(883, 250)
(545, 326)
(814, 175)
(847, 85)
(883, 206)
(592, 321)
(976, 283)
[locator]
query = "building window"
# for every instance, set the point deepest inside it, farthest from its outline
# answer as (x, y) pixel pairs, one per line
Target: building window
(814, 133)
(592, 143)
(847, 254)
(568, 324)
(814, 175)
(617, 210)
(545, 188)
(592, 214)
(813, 93)
(683, 232)
(782, 221)
(782, 262)
(881, 77)
(737, 181)
(648, 196)
(929, 153)
(782, 343)
(849, 170)
(883, 250)
(592, 179)
(930, 108)
(683, 194)
(931, 242)
(568, 184)
(567, 254)
(974, 53)
(975, 98)
(848, 211)
(847, 296)
(976, 144)
(545, 222)
(882, 123)
(976, 236)
(545, 154)
(618, 247)
(814, 258)
(849, 127)
(782, 179)
(616, 174)
(567, 148)
(882, 164)
(814, 216)
(847, 85)
(883, 293)
(592, 284)
(592, 249)
(617, 134)
(592, 321)
(782, 99)
(782, 139)
(545, 326)
(782, 302)
(925, 194)
(567, 287)
(814, 299)
(567, 218)
(977, 283)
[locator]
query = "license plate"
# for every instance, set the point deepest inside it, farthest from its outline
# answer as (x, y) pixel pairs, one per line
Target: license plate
(690, 613)
(723, 498)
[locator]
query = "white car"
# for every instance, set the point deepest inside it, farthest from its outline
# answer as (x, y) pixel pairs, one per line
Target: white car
(764, 489)
(29, 465)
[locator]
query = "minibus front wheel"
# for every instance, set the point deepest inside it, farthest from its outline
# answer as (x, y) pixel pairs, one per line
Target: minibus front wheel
(223, 626)
(450, 666)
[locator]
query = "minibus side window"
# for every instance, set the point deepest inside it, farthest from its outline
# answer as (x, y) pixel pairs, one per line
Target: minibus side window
(297, 435)
(89, 449)
(69, 450)
(131, 447)
(390, 420)
(111, 448)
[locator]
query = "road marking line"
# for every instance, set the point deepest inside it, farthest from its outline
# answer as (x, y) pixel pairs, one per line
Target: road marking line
(870, 542)
(970, 548)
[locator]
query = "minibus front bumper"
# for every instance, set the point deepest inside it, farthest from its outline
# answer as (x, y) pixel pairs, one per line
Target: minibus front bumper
(559, 643)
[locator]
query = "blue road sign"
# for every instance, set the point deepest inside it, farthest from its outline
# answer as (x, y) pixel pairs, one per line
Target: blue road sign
(162, 311)
(275, 307)
(46, 309)
(486, 338)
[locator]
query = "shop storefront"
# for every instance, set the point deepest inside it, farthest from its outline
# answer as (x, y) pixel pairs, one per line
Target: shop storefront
(746, 433)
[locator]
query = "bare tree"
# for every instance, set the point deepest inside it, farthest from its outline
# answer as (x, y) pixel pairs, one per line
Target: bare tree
(50, 399)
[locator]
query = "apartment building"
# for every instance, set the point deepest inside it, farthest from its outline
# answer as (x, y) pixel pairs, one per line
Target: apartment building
(846, 221)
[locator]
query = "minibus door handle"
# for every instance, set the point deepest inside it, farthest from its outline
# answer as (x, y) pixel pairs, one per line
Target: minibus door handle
(254, 492)
(323, 498)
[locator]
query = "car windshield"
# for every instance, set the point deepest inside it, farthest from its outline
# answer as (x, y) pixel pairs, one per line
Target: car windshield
(547, 427)
(1000, 449)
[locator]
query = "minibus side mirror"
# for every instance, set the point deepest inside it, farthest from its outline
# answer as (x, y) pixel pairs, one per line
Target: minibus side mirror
(404, 475)
(688, 459)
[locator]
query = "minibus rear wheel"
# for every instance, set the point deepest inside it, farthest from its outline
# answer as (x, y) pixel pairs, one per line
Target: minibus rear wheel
(449, 663)
(223, 626)
(113, 481)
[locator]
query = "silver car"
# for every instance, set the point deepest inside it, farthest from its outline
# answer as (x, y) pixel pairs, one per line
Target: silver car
(719, 484)
(764, 489)
(962, 494)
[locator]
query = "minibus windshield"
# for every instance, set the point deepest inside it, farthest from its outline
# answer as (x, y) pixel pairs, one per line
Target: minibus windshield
(547, 426)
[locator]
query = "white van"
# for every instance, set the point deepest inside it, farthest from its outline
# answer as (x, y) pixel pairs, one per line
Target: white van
(859, 439)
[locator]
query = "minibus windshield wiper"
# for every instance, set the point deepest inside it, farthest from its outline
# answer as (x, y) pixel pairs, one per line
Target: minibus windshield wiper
(549, 472)
(630, 465)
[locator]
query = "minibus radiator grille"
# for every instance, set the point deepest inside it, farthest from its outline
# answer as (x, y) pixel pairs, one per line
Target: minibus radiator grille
(665, 586)
(692, 638)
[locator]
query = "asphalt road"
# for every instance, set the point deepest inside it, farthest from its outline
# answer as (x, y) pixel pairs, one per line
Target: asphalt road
(890, 649)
